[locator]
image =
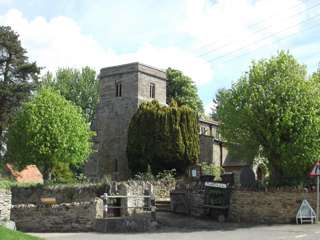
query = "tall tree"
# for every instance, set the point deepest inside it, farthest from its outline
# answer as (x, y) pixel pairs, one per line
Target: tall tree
(17, 76)
(77, 86)
(182, 89)
(49, 131)
(274, 108)
(163, 138)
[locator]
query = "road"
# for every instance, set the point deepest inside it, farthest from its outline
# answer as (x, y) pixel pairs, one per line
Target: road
(284, 232)
(179, 227)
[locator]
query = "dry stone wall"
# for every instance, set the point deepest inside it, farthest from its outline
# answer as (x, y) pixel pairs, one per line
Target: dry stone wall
(65, 217)
(5, 204)
(267, 207)
(273, 207)
(62, 194)
(75, 208)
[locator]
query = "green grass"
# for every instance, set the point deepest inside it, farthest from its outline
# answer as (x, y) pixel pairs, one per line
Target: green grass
(7, 234)
(4, 183)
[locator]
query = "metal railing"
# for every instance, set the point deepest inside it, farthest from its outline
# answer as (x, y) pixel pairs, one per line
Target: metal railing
(148, 205)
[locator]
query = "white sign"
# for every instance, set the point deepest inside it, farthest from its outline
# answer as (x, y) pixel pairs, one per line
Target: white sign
(193, 172)
(215, 184)
(305, 213)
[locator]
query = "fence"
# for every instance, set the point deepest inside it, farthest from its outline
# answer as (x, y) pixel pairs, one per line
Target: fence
(123, 205)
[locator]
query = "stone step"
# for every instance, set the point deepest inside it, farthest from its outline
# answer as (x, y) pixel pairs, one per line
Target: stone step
(163, 206)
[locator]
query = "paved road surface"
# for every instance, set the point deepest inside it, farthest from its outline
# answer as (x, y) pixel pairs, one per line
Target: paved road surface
(177, 227)
(282, 232)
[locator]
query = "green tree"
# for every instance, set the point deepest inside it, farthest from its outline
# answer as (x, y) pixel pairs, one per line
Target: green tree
(274, 108)
(49, 131)
(77, 86)
(182, 89)
(163, 138)
(17, 76)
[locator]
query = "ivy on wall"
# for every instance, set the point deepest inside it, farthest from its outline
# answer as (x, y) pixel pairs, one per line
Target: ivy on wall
(163, 137)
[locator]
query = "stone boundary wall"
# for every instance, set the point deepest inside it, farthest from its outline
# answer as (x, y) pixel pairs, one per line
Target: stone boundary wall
(65, 217)
(75, 208)
(267, 207)
(5, 204)
(62, 194)
(272, 207)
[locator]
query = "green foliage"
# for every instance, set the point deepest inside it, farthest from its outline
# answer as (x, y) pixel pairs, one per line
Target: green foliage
(7, 184)
(7, 234)
(79, 87)
(162, 137)
(182, 89)
(274, 109)
(50, 132)
(165, 175)
(211, 169)
(17, 77)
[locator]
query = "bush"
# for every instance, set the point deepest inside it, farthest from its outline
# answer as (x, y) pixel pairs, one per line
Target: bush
(165, 175)
(163, 138)
(212, 170)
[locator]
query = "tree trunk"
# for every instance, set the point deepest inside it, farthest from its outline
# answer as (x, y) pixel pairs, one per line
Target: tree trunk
(47, 175)
(276, 175)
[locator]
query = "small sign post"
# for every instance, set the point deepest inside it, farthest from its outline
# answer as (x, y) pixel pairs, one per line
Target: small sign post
(316, 172)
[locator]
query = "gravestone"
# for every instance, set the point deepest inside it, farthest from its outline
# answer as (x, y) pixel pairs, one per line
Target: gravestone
(247, 178)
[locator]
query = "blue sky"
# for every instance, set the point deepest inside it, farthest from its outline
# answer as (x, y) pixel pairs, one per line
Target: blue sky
(211, 41)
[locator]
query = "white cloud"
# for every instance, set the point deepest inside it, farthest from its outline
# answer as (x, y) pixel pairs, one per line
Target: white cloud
(5, 2)
(233, 24)
(59, 42)
(198, 69)
(208, 108)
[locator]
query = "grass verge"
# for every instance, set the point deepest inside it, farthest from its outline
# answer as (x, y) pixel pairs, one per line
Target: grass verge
(7, 234)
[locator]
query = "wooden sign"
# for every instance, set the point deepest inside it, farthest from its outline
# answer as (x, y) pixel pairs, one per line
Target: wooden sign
(48, 200)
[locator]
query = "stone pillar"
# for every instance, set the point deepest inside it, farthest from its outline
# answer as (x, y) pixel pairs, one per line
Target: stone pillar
(5, 204)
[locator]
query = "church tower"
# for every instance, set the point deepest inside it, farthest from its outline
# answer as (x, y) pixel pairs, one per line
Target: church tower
(122, 89)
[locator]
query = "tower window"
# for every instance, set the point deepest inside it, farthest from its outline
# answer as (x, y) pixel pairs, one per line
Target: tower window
(152, 90)
(118, 90)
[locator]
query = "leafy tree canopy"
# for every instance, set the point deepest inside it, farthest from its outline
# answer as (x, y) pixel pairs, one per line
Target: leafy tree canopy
(274, 109)
(17, 76)
(163, 138)
(77, 86)
(182, 89)
(50, 132)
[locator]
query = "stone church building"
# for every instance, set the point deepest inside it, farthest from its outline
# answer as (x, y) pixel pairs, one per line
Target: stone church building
(122, 89)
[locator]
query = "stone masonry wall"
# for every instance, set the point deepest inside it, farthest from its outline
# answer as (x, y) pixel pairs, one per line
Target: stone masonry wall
(276, 207)
(76, 208)
(267, 207)
(206, 149)
(65, 217)
(62, 194)
(5, 204)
